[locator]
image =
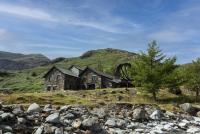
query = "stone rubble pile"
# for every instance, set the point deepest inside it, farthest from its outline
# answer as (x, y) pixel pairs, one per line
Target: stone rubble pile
(112, 119)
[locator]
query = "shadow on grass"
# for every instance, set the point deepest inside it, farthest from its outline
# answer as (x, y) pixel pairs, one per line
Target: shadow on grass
(179, 99)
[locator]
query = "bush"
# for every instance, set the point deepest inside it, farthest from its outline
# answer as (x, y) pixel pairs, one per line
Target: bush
(176, 91)
(34, 74)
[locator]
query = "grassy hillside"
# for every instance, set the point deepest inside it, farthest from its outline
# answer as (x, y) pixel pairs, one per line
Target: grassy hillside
(31, 79)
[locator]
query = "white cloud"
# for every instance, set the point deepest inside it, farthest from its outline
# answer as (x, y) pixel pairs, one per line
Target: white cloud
(106, 23)
(180, 26)
(53, 46)
(26, 12)
(94, 25)
(175, 35)
(3, 33)
(169, 36)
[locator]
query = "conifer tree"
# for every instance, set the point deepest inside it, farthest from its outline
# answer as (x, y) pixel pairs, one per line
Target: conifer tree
(151, 68)
(193, 77)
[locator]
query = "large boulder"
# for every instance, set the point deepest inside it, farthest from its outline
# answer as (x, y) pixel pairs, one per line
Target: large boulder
(157, 115)
(33, 108)
(139, 114)
(187, 107)
(53, 118)
(92, 124)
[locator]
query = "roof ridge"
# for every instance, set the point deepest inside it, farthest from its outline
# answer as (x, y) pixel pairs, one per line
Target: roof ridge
(66, 71)
(77, 66)
(101, 72)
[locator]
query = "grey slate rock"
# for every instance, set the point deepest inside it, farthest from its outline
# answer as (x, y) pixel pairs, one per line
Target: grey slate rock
(53, 118)
(157, 115)
(33, 108)
(140, 114)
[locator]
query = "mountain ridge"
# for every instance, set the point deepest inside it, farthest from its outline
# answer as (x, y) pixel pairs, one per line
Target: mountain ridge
(17, 61)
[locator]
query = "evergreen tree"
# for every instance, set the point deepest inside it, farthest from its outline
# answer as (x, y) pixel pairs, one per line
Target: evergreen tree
(193, 77)
(151, 68)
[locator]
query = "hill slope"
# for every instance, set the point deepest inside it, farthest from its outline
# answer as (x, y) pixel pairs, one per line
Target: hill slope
(15, 61)
(32, 79)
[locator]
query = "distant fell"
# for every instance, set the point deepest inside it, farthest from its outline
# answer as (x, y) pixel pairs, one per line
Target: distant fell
(16, 61)
(107, 50)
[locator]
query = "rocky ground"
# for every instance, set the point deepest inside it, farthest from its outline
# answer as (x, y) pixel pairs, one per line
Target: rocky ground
(112, 119)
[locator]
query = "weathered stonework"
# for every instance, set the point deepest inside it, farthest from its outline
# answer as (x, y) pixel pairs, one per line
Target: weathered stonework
(76, 78)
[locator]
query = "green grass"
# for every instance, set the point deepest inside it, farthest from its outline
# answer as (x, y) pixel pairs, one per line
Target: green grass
(98, 97)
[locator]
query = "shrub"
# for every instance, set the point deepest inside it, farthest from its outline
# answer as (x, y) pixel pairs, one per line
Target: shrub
(176, 91)
(34, 74)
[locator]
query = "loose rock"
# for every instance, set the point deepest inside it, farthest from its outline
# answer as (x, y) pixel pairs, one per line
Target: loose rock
(33, 108)
(139, 114)
(157, 115)
(53, 118)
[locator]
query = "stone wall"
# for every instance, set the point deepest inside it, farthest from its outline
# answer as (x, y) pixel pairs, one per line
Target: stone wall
(54, 80)
(71, 82)
(88, 78)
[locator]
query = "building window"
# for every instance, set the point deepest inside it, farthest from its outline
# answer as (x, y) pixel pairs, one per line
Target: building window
(54, 87)
(49, 88)
(94, 78)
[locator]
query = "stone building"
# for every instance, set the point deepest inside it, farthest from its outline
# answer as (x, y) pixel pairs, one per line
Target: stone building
(75, 78)
(60, 79)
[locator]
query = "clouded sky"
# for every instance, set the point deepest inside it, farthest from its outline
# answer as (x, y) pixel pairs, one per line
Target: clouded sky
(70, 27)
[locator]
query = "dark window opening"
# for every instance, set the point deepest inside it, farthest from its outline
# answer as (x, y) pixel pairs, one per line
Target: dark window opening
(48, 88)
(91, 86)
(94, 78)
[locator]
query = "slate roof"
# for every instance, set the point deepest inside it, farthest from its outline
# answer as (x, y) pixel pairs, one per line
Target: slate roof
(64, 71)
(117, 80)
(77, 67)
(68, 72)
(97, 72)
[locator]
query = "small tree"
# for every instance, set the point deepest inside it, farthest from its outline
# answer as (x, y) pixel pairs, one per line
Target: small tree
(34, 74)
(193, 77)
(151, 68)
